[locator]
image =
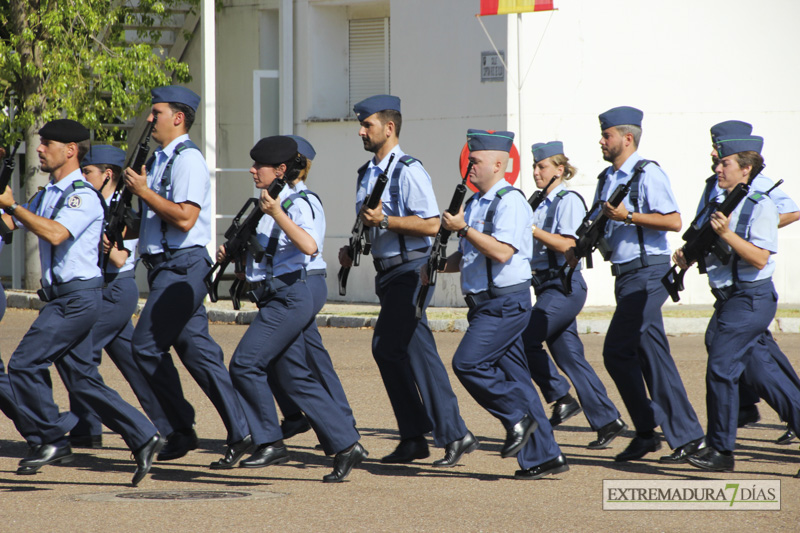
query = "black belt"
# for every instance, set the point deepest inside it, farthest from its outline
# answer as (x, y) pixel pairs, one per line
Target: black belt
(150, 261)
(111, 276)
(724, 293)
(474, 299)
(317, 272)
(636, 264)
(262, 291)
(382, 265)
(540, 277)
(51, 292)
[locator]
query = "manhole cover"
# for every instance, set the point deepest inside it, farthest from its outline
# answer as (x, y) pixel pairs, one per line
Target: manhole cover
(179, 495)
(184, 495)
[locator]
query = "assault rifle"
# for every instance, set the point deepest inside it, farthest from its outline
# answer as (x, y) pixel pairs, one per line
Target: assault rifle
(359, 237)
(539, 196)
(591, 231)
(5, 180)
(120, 212)
(241, 238)
(438, 257)
(702, 240)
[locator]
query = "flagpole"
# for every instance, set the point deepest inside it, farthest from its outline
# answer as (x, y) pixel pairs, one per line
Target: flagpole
(496, 51)
(519, 98)
(535, 52)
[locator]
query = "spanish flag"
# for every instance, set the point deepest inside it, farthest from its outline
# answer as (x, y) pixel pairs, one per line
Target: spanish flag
(504, 7)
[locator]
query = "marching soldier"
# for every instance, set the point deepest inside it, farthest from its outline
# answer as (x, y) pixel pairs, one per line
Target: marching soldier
(494, 260)
(67, 216)
(555, 223)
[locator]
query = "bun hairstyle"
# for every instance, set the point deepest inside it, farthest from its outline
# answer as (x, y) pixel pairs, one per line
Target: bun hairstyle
(303, 176)
(294, 167)
(569, 170)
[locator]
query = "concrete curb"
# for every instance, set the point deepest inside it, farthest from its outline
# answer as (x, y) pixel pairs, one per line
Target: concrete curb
(673, 326)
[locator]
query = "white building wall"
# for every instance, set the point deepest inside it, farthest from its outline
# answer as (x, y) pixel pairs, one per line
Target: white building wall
(687, 66)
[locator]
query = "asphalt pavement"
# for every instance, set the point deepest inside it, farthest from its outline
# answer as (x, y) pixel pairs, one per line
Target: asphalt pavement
(480, 494)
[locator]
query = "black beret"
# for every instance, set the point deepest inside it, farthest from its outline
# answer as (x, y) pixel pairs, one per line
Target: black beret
(274, 150)
(64, 130)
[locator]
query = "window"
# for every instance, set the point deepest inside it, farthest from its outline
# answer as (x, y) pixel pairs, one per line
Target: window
(343, 57)
(368, 58)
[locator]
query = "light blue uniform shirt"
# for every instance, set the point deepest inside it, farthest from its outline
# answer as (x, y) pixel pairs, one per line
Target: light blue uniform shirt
(512, 225)
(287, 257)
(655, 196)
(762, 231)
(190, 183)
(82, 215)
(761, 183)
(568, 217)
(415, 198)
(316, 262)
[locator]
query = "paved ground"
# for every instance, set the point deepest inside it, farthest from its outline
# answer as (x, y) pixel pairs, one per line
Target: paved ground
(92, 494)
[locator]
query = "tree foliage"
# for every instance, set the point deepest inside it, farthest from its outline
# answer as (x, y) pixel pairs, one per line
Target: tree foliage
(70, 58)
(93, 61)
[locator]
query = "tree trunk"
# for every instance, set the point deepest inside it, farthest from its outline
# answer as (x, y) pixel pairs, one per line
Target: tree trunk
(29, 89)
(31, 180)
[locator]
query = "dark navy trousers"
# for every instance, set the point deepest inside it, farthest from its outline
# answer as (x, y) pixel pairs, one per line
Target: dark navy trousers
(61, 334)
(174, 316)
(318, 358)
(636, 355)
(113, 331)
(737, 347)
(274, 343)
(490, 362)
(7, 402)
(415, 378)
(553, 320)
(749, 397)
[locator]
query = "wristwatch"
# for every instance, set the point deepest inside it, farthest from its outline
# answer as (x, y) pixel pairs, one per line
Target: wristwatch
(463, 232)
(10, 209)
(629, 218)
(384, 224)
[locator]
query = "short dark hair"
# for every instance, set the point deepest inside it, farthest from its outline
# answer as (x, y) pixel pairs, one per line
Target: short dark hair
(750, 159)
(115, 170)
(188, 113)
(83, 148)
(390, 115)
(633, 129)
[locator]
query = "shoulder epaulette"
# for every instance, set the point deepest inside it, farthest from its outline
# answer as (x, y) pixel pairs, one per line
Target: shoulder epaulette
(408, 160)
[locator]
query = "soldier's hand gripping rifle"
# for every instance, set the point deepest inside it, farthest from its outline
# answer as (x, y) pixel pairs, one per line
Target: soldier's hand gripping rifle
(120, 212)
(359, 235)
(591, 231)
(5, 181)
(702, 240)
(438, 257)
(241, 238)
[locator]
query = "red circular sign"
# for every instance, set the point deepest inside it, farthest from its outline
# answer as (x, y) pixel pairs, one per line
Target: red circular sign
(511, 175)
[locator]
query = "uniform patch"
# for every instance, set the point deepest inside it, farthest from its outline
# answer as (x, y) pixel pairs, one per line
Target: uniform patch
(74, 201)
